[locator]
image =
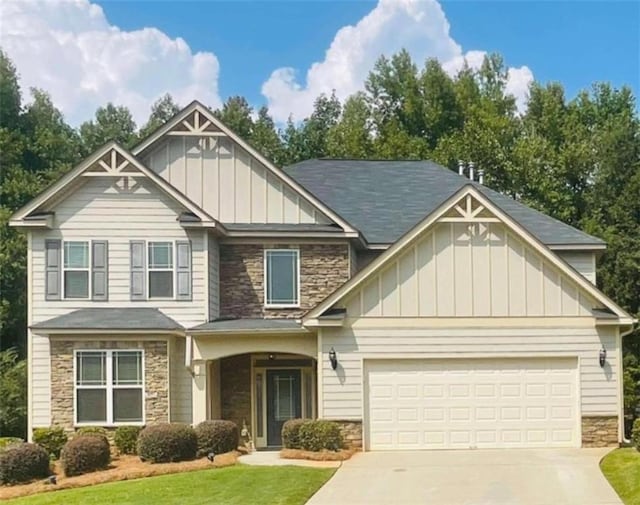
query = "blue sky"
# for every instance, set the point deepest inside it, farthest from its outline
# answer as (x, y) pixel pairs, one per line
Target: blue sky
(285, 53)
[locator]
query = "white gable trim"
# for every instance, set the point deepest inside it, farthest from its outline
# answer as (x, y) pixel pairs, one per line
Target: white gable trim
(468, 190)
(210, 118)
(18, 218)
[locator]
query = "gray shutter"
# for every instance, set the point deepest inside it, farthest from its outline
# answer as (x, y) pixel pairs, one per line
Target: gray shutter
(100, 270)
(138, 274)
(53, 274)
(183, 263)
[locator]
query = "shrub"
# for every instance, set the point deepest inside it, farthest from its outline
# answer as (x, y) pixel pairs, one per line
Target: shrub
(635, 434)
(163, 443)
(92, 430)
(52, 439)
(291, 433)
(126, 438)
(217, 436)
(317, 435)
(9, 442)
(84, 454)
(24, 463)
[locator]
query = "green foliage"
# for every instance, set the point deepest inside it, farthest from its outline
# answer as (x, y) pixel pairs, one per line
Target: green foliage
(126, 439)
(161, 111)
(92, 430)
(23, 464)
(51, 439)
(635, 434)
(291, 433)
(111, 123)
(9, 442)
(216, 436)
(13, 392)
(84, 454)
(164, 443)
(316, 435)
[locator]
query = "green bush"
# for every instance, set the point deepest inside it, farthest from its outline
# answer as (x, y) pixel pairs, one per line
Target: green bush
(291, 433)
(9, 442)
(318, 435)
(13, 391)
(635, 434)
(84, 454)
(52, 439)
(23, 463)
(163, 443)
(126, 438)
(216, 436)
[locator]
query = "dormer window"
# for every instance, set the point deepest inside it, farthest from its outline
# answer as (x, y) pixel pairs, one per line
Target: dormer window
(76, 270)
(282, 278)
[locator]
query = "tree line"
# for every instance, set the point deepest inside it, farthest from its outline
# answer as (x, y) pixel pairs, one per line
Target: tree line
(577, 159)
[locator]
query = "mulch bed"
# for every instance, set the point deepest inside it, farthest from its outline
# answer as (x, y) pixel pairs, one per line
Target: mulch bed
(121, 468)
(341, 455)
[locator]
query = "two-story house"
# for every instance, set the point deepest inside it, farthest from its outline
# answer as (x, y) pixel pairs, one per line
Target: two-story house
(191, 279)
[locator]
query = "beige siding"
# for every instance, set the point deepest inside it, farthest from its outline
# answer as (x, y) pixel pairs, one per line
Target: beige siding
(228, 183)
(343, 389)
(105, 209)
(466, 270)
(583, 262)
(180, 386)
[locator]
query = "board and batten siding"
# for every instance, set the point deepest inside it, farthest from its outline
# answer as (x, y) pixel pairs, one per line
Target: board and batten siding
(584, 262)
(461, 270)
(343, 389)
(228, 183)
(106, 209)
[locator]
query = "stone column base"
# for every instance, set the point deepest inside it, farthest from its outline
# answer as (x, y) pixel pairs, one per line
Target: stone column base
(600, 431)
(351, 433)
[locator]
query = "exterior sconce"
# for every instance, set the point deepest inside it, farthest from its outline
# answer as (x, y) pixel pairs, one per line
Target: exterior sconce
(333, 358)
(602, 356)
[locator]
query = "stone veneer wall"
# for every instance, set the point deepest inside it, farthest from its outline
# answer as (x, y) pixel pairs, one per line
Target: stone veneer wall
(156, 368)
(323, 268)
(351, 433)
(235, 389)
(600, 431)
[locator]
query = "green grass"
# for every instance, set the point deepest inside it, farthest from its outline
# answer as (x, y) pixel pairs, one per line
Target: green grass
(622, 469)
(280, 485)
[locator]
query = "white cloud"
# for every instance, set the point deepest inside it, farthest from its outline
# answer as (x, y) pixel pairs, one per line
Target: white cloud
(69, 48)
(419, 26)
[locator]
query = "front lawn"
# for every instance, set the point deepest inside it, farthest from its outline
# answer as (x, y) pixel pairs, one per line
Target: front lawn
(622, 468)
(277, 485)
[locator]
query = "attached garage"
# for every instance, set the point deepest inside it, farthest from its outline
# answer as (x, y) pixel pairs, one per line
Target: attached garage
(471, 403)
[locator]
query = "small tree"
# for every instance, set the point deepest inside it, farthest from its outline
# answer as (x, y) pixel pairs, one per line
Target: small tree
(13, 391)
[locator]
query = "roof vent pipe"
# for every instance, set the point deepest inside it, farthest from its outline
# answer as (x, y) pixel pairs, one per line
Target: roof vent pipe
(471, 167)
(460, 167)
(481, 176)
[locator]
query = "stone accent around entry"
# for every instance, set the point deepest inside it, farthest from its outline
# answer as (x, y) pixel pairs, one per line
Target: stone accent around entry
(323, 268)
(156, 368)
(235, 389)
(351, 433)
(600, 431)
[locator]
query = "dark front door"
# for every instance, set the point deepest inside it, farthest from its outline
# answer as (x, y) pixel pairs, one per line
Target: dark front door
(283, 402)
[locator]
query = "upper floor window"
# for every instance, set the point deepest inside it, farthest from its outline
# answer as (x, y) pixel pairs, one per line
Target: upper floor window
(161, 273)
(76, 270)
(282, 278)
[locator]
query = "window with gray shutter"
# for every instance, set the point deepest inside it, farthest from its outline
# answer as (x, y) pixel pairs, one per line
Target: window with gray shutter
(100, 270)
(183, 269)
(161, 270)
(138, 284)
(53, 274)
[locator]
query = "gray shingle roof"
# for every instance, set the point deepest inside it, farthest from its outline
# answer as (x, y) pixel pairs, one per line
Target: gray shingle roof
(385, 199)
(249, 325)
(111, 319)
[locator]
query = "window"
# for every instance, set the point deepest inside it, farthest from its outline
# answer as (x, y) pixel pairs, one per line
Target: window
(76, 270)
(109, 387)
(282, 277)
(161, 269)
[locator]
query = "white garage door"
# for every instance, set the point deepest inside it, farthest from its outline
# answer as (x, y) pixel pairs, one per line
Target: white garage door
(461, 404)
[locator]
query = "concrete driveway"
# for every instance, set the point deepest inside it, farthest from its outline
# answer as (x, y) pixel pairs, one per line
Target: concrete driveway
(474, 477)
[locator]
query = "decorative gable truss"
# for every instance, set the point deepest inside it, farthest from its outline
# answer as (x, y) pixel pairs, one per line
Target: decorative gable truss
(196, 125)
(466, 259)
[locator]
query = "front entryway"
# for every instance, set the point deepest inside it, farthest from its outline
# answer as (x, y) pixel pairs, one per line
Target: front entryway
(284, 401)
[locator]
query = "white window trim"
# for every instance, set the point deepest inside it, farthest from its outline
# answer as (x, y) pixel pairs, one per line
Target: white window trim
(87, 269)
(173, 269)
(109, 387)
(266, 287)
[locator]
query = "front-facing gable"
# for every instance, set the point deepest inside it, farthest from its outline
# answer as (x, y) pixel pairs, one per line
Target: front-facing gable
(467, 259)
(224, 175)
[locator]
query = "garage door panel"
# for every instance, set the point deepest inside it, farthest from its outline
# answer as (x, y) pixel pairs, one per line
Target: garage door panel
(439, 404)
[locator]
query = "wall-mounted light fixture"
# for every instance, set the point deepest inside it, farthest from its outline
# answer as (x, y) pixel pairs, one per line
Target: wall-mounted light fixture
(602, 357)
(333, 358)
